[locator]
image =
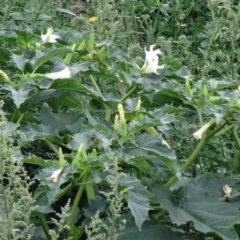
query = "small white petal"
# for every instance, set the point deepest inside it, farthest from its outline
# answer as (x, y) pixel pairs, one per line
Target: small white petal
(55, 175)
(65, 73)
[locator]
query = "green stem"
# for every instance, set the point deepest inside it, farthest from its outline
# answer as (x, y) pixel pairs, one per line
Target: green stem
(217, 129)
(226, 129)
(21, 117)
(44, 225)
(7, 13)
(95, 85)
(52, 146)
(129, 93)
(69, 187)
(15, 115)
(108, 114)
(235, 135)
(200, 116)
(77, 199)
(189, 161)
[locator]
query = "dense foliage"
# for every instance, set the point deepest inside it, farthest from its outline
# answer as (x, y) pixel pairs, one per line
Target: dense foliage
(119, 120)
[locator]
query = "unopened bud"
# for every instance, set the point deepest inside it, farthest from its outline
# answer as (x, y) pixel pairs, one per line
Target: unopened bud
(115, 126)
(55, 175)
(122, 119)
(188, 87)
(138, 105)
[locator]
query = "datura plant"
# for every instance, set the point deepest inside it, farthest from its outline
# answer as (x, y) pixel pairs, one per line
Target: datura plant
(118, 151)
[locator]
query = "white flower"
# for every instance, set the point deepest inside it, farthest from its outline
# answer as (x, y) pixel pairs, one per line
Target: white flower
(55, 175)
(198, 134)
(49, 36)
(152, 55)
(65, 73)
(151, 60)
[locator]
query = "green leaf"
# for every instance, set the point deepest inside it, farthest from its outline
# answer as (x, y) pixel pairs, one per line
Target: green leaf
(151, 231)
(73, 85)
(5, 54)
(138, 199)
(217, 111)
(142, 124)
(53, 188)
(173, 62)
(38, 131)
(57, 120)
(39, 161)
(79, 138)
(18, 96)
(65, 11)
(98, 204)
(46, 56)
(201, 201)
(43, 206)
(153, 144)
(19, 60)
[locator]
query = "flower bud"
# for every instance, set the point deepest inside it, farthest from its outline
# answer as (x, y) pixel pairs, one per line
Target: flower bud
(55, 175)
(115, 126)
(5, 77)
(138, 105)
(122, 119)
(188, 87)
(91, 42)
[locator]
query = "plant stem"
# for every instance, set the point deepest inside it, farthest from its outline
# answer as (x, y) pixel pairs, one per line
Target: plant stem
(77, 199)
(200, 116)
(217, 129)
(129, 93)
(95, 85)
(44, 225)
(226, 129)
(69, 187)
(189, 161)
(21, 117)
(52, 146)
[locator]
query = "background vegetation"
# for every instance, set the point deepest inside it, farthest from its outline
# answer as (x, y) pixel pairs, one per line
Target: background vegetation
(94, 145)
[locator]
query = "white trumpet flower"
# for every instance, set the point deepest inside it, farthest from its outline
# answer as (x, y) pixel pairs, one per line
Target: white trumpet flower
(65, 73)
(49, 36)
(198, 134)
(55, 175)
(151, 60)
